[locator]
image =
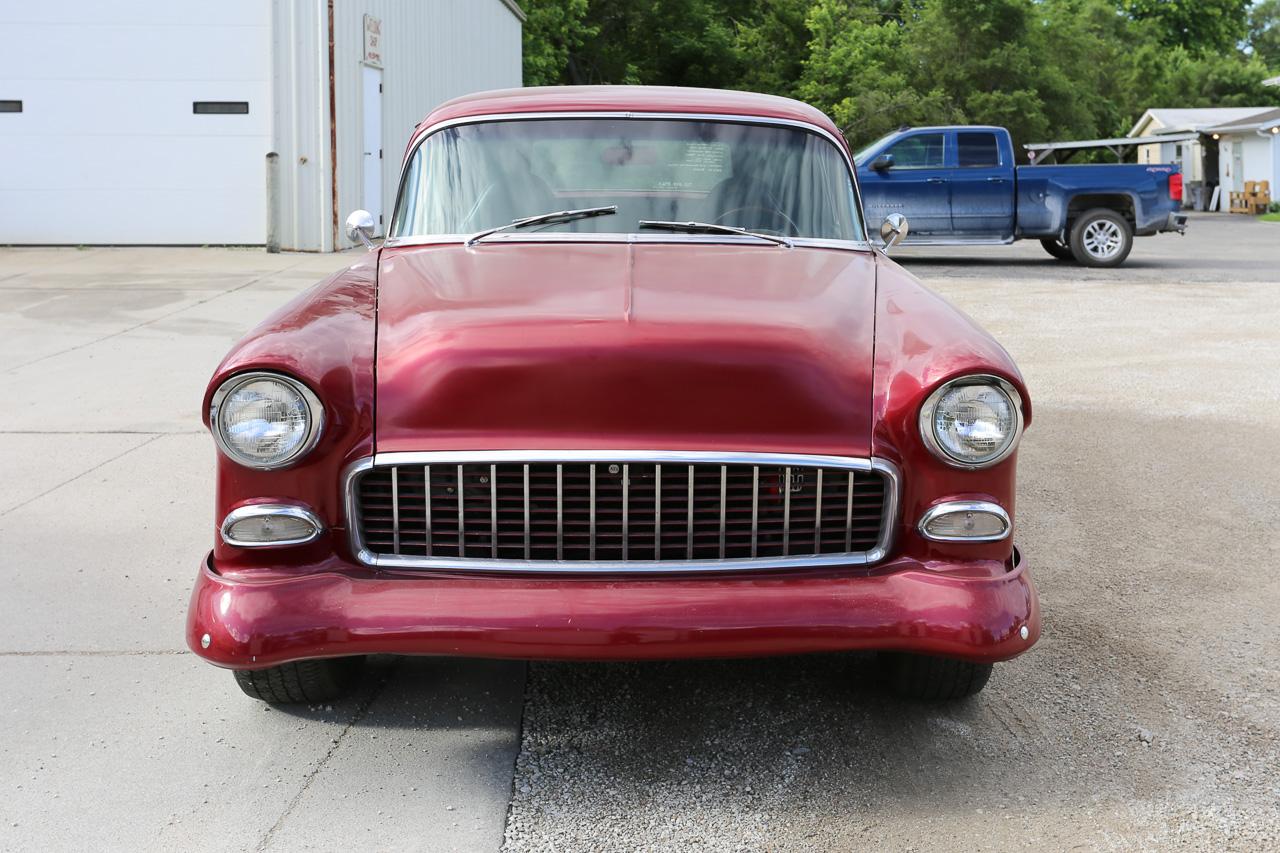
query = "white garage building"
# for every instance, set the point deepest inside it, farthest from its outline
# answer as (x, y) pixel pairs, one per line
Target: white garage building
(137, 122)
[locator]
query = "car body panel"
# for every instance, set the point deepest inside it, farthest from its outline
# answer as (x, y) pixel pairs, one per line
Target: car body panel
(554, 346)
(1006, 201)
(978, 616)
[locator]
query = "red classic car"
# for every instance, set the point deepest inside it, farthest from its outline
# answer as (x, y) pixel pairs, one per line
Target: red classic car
(627, 379)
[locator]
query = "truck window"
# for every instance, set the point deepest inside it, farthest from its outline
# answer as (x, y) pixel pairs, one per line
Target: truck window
(922, 151)
(978, 149)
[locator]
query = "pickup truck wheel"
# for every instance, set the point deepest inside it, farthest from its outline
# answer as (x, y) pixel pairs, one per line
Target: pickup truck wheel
(1058, 249)
(933, 678)
(1101, 238)
(301, 681)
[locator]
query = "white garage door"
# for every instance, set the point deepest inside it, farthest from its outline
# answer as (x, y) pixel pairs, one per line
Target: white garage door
(134, 122)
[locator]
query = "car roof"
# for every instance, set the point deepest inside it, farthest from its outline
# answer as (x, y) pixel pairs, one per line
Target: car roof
(639, 99)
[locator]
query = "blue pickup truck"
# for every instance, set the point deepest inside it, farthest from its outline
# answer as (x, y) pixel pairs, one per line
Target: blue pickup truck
(960, 186)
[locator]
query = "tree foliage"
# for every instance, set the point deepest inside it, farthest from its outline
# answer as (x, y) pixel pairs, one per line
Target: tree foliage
(1044, 68)
(1264, 32)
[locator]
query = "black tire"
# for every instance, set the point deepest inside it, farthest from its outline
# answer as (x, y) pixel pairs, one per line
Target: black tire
(932, 678)
(1101, 238)
(302, 681)
(1057, 248)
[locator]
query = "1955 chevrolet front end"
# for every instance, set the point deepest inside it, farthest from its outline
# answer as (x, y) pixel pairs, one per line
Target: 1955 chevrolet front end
(627, 379)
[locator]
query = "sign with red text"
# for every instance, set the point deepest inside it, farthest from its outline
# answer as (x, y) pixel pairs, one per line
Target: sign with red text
(373, 41)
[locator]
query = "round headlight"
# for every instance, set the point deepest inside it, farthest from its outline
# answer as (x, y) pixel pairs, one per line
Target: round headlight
(972, 422)
(265, 420)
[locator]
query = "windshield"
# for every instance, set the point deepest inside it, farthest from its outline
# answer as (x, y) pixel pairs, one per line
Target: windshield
(865, 154)
(781, 180)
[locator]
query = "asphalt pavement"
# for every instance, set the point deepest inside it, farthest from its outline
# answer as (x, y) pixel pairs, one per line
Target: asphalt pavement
(1148, 716)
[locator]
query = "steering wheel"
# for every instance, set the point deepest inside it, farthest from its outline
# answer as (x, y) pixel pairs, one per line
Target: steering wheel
(777, 213)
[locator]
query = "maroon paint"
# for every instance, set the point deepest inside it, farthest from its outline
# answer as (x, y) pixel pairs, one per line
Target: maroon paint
(553, 345)
(624, 346)
(910, 608)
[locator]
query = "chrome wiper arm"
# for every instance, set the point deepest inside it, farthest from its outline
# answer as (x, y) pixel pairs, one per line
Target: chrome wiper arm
(545, 219)
(713, 228)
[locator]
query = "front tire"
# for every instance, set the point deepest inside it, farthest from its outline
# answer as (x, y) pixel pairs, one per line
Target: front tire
(1101, 238)
(934, 679)
(301, 681)
(1057, 248)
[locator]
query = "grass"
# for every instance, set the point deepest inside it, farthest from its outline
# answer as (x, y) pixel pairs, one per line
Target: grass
(1270, 217)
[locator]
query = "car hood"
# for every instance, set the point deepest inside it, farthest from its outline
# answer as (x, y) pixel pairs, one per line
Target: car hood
(559, 345)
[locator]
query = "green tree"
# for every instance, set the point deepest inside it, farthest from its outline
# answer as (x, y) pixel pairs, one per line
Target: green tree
(1264, 33)
(862, 71)
(554, 31)
(771, 49)
(1200, 26)
(1046, 69)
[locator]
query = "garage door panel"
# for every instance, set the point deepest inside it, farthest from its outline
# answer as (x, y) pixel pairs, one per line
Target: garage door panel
(173, 12)
(104, 108)
(125, 52)
(192, 163)
(151, 217)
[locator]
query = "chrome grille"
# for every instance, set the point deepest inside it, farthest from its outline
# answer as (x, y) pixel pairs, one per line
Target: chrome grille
(629, 511)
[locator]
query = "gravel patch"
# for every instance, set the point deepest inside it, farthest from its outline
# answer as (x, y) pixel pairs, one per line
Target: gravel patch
(1147, 718)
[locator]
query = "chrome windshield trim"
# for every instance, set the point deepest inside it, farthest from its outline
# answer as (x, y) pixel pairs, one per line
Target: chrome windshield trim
(624, 237)
(258, 510)
(727, 118)
(949, 507)
(888, 526)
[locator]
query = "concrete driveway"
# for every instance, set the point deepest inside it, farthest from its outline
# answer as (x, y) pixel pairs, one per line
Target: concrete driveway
(1147, 717)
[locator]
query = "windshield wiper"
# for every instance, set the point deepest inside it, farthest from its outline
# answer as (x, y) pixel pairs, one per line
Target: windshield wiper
(713, 228)
(545, 219)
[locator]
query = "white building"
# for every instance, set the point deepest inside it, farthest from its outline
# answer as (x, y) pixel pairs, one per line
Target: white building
(135, 122)
(1198, 157)
(1249, 151)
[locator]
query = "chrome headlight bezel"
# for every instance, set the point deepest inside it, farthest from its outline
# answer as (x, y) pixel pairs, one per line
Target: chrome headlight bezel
(928, 410)
(315, 419)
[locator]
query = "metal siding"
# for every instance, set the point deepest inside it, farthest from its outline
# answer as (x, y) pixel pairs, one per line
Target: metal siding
(432, 51)
(301, 123)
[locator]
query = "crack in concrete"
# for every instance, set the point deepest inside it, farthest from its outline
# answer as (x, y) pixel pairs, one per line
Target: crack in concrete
(85, 653)
(15, 368)
(361, 711)
(78, 476)
(100, 432)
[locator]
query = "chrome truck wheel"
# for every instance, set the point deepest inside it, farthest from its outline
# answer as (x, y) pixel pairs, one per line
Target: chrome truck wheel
(1101, 238)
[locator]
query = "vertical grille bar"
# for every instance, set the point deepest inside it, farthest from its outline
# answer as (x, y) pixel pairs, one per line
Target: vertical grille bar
(755, 509)
(817, 517)
(848, 516)
(724, 491)
(527, 553)
(493, 511)
(591, 501)
(559, 511)
(395, 510)
(688, 542)
(462, 520)
(626, 507)
(786, 512)
(657, 512)
(426, 480)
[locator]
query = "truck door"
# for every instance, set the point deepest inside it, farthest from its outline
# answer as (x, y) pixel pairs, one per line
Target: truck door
(982, 190)
(914, 184)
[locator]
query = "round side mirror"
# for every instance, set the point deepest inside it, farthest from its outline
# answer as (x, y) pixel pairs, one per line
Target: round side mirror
(360, 227)
(894, 230)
